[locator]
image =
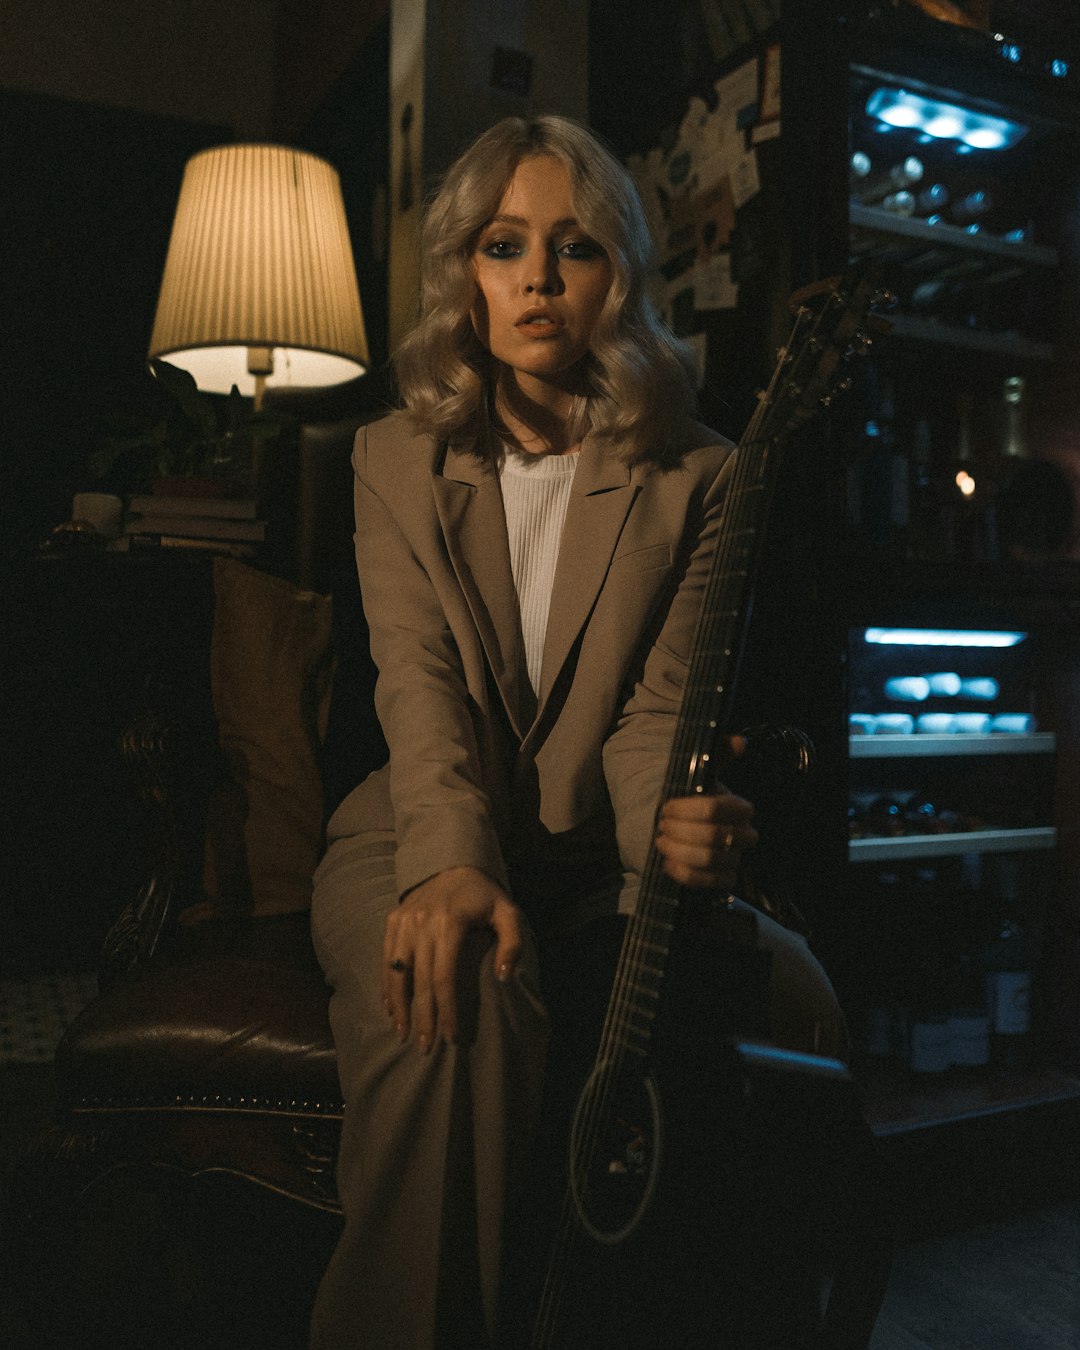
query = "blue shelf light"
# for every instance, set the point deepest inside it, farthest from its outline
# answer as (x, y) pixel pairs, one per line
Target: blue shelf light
(943, 121)
(942, 637)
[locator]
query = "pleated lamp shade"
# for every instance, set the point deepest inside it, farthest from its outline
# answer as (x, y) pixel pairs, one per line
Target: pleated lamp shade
(259, 285)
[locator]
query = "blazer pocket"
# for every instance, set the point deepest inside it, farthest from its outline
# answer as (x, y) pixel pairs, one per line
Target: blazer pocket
(653, 558)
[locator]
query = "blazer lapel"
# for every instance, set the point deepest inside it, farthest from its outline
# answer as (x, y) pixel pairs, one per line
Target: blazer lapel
(603, 489)
(469, 502)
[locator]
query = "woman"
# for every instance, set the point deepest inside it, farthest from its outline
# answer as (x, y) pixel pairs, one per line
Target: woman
(533, 534)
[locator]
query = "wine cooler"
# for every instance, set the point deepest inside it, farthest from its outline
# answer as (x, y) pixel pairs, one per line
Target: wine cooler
(961, 182)
(951, 858)
(963, 169)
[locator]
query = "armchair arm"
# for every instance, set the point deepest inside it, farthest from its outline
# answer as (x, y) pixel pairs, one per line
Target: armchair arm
(148, 748)
(169, 776)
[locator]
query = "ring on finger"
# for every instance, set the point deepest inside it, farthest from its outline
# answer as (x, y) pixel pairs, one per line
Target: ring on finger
(728, 840)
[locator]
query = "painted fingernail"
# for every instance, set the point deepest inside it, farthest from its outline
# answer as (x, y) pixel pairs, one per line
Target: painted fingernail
(503, 972)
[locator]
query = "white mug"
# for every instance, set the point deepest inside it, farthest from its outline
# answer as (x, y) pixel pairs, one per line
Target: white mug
(102, 510)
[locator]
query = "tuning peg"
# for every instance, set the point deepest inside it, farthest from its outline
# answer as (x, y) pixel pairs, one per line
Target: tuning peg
(842, 387)
(860, 345)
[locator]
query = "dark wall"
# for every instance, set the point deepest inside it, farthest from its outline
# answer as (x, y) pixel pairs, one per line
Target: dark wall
(89, 195)
(350, 127)
(644, 61)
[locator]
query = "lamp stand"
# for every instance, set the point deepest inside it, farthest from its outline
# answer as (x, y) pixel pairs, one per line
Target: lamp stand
(260, 363)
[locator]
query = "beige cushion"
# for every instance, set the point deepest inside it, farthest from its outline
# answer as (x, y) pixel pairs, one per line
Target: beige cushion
(271, 668)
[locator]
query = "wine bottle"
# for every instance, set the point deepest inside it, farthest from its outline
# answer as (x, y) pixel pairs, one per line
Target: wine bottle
(969, 1020)
(860, 167)
(944, 683)
(969, 1017)
(967, 490)
(885, 503)
(932, 199)
(1008, 971)
(982, 687)
(887, 1029)
(1014, 439)
(931, 1049)
(972, 207)
(898, 177)
(907, 688)
(900, 203)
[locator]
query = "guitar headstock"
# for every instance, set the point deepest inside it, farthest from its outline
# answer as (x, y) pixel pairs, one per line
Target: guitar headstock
(835, 321)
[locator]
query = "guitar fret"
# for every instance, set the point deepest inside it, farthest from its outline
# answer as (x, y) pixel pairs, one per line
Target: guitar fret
(627, 1001)
(658, 971)
(640, 1050)
(651, 994)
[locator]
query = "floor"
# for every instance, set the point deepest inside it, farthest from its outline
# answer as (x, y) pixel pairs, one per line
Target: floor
(998, 1286)
(993, 1283)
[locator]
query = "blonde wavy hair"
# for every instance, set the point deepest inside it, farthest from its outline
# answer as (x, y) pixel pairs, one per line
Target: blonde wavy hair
(638, 374)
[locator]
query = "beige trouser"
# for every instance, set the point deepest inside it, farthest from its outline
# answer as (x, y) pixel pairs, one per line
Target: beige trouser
(427, 1184)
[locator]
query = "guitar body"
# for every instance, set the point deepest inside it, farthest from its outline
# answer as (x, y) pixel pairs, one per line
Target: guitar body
(700, 1220)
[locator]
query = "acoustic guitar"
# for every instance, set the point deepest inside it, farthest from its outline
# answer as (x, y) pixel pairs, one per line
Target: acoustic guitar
(700, 1153)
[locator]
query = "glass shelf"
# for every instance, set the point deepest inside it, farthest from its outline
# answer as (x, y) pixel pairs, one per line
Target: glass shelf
(948, 236)
(1000, 344)
(898, 1102)
(912, 846)
(921, 744)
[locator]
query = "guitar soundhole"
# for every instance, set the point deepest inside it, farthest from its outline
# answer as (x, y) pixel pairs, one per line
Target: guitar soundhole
(615, 1146)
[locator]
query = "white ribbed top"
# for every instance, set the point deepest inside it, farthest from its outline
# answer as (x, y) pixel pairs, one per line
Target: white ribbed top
(536, 493)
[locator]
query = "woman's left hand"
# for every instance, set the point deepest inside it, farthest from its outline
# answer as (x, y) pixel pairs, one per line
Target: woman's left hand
(702, 839)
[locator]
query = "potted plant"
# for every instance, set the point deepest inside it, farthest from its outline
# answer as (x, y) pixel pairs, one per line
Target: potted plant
(200, 445)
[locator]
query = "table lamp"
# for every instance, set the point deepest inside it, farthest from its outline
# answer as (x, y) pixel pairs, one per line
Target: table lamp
(259, 286)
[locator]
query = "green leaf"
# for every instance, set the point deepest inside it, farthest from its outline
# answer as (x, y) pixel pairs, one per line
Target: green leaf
(194, 404)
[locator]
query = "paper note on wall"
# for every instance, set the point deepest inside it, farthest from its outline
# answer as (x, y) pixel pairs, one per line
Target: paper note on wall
(737, 95)
(713, 284)
(770, 86)
(745, 180)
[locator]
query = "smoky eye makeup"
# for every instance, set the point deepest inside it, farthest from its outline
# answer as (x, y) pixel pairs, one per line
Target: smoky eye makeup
(582, 248)
(498, 245)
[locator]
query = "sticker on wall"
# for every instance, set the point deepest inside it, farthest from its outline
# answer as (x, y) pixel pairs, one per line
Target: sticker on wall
(745, 180)
(737, 95)
(770, 86)
(713, 284)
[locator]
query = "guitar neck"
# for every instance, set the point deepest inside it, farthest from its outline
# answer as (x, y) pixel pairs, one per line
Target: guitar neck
(800, 383)
(703, 721)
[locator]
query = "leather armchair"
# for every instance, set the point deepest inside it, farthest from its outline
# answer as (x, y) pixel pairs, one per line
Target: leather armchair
(200, 1085)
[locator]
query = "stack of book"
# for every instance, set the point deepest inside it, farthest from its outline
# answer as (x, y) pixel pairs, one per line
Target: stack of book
(211, 524)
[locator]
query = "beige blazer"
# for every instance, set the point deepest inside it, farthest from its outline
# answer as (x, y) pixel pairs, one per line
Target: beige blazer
(483, 772)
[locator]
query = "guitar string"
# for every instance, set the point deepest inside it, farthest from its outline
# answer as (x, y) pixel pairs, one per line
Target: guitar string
(713, 621)
(642, 938)
(642, 934)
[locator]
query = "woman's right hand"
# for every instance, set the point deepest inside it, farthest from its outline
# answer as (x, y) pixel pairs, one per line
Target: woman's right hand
(425, 946)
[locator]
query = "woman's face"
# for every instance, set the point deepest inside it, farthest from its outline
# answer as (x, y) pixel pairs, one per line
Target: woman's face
(541, 283)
